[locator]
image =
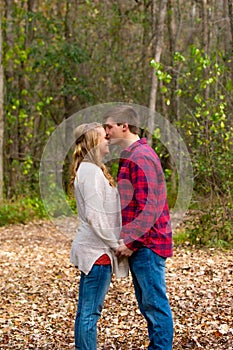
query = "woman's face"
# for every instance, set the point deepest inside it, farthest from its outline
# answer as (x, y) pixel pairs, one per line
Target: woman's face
(103, 143)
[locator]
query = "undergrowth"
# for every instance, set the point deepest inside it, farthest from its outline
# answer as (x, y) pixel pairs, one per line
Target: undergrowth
(23, 210)
(207, 223)
(210, 223)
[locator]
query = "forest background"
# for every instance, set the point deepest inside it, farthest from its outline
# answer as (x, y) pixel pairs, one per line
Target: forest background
(173, 56)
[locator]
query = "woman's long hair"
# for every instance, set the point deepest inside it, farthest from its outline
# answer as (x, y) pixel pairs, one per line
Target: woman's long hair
(87, 140)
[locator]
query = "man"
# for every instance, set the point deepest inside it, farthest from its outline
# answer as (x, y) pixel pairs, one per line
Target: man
(146, 228)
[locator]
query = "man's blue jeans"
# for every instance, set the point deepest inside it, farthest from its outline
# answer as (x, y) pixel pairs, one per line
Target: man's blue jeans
(92, 290)
(148, 272)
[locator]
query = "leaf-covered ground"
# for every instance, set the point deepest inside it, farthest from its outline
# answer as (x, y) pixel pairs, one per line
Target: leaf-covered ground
(39, 291)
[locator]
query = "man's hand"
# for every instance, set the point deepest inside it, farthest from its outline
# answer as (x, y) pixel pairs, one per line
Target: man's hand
(123, 250)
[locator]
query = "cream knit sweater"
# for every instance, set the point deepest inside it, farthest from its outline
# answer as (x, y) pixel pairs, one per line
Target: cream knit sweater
(99, 215)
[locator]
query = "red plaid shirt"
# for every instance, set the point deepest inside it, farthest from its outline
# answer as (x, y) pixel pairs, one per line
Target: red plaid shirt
(145, 213)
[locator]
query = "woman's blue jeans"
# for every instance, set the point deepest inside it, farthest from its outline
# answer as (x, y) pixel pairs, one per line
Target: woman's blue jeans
(92, 290)
(148, 272)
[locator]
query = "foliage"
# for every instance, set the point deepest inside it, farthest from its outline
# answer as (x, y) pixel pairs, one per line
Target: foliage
(24, 209)
(33, 107)
(204, 120)
(209, 225)
(21, 211)
(55, 65)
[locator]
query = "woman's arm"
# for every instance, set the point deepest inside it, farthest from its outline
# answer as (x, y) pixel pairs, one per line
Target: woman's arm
(93, 189)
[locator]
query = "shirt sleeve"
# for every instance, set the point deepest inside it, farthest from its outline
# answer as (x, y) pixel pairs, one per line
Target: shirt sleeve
(148, 198)
(93, 190)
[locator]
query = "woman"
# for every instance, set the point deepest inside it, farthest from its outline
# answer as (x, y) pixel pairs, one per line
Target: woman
(97, 237)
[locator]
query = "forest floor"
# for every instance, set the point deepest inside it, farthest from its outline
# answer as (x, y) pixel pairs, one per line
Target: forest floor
(39, 293)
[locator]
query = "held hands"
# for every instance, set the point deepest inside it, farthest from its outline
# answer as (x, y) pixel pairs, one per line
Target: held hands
(123, 250)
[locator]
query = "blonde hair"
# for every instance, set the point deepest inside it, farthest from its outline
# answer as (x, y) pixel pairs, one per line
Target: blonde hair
(87, 140)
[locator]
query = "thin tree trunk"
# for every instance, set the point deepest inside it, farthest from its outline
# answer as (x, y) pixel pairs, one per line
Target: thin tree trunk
(230, 9)
(158, 35)
(172, 31)
(206, 45)
(205, 26)
(24, 84)
(1, 107)
(70, 17)
(12, 84)
(174, 98)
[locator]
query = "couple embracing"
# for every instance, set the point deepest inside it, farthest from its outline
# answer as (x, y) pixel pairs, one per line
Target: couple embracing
(120, 229)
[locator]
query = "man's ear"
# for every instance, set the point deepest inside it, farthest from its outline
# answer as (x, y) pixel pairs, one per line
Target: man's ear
(125, 126)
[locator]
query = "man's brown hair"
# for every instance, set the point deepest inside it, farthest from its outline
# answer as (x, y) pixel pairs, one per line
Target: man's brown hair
(124, 114)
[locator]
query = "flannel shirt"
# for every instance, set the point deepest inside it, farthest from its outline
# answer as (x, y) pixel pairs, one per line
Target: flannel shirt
(142, 189)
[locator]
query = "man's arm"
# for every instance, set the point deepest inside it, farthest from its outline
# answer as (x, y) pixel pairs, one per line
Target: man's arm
(146, 199)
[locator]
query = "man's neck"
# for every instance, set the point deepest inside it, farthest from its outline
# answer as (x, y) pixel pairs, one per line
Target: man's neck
(128, 141)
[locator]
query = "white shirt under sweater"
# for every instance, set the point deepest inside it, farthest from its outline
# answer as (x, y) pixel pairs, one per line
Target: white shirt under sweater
(99, 215)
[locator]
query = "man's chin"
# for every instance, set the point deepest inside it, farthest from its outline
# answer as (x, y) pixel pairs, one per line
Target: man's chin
(114, 141)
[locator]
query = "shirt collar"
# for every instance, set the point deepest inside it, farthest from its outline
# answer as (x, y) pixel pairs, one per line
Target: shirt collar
(134, 145)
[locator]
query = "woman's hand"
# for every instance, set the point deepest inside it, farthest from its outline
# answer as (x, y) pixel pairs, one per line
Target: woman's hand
(123, 250)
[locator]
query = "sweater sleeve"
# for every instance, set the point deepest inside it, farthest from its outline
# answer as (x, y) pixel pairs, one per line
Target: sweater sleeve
(93, 189)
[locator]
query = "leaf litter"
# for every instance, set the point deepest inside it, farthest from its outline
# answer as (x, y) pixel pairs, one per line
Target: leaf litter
(39, 290)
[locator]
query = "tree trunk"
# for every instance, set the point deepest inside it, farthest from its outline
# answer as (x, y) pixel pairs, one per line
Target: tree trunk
(172, 34)
(1, 107)
(205, 26)
(230, 9)
(24, 85)
(173, 30)
(158, 35)
(12, 84)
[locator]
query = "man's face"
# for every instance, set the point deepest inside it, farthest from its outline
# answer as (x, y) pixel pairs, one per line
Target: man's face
(114, 132)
